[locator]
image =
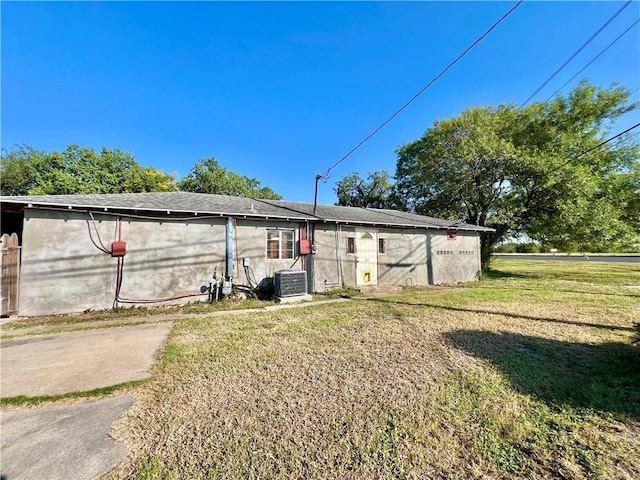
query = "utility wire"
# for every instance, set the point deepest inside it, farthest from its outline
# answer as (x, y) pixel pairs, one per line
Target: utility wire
(606, 141)
(624, 140)
(582, 154)
(327, 174)
(593, 60)
(575, 53)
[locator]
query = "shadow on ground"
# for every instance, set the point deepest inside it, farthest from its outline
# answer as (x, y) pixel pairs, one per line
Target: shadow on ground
(391, 301)
(490, 273)
(603, 377)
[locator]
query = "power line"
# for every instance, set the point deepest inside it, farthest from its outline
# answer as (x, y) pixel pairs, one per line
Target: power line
(624, 140)
(594, 59)
(606, 141)
(575, 53)
(582, 154)
(327, 174)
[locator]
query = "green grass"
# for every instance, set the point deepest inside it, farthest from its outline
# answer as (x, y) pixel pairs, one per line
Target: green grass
(529, 374)
(23, 400)
(135, 312)
(61, 328)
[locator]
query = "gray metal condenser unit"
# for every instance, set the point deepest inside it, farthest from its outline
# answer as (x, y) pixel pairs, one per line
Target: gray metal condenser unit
(288, 283)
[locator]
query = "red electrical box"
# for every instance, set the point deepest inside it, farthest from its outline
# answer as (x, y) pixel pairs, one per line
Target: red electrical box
(305, 246)
(118, 249)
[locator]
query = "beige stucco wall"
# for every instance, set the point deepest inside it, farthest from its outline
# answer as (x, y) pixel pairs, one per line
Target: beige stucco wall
(63, 272)
(332, 266)
(405, 259)
(454, 261)
(251, 242)
(412, 257)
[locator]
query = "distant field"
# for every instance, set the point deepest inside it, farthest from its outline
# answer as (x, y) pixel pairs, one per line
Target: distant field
(573, 257)
(530, 373)
(576, 254)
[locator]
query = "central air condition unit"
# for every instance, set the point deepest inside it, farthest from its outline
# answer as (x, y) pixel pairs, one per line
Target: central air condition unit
(288, 283)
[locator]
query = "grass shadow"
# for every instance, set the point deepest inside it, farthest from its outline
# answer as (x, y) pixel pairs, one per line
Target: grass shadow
(563, 290)
(493, 274)
(506, 314)
(603, 377)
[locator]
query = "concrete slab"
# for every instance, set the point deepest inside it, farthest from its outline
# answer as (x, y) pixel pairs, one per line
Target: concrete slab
(295, 298)
(78, 361)
(65, 442)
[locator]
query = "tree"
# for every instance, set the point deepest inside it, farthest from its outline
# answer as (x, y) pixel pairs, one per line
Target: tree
(19, 170)
(374, 192)
(25, 171)
(207, 176)
(526, 170)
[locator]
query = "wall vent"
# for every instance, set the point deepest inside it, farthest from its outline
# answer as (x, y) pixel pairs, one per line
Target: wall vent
(288, 283)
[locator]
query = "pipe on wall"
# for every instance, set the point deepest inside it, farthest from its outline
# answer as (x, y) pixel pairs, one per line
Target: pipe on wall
(229, 250)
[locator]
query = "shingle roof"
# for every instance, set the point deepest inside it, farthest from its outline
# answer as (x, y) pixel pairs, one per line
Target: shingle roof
(175, 203)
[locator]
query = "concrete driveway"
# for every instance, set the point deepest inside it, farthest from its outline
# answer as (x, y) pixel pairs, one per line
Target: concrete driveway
(70, 441)
(78, 361)
(64, 442)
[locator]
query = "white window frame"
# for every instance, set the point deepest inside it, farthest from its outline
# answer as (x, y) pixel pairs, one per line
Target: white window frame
(280, 232)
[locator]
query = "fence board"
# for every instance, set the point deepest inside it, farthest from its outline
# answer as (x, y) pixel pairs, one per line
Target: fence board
(9, 273)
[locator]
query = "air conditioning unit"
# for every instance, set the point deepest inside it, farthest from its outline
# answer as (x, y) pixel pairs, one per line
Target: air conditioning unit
(288, 283)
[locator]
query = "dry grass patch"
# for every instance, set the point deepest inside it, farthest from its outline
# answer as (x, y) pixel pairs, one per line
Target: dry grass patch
(448, 383)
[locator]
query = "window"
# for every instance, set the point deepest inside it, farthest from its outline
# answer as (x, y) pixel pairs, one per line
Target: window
(351, 245)
(382, 246)
(279, 244)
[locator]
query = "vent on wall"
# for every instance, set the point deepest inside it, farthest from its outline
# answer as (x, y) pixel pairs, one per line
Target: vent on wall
(288, 283)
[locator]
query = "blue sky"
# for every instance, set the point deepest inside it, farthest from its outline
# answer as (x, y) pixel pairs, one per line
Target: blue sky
(281, 91)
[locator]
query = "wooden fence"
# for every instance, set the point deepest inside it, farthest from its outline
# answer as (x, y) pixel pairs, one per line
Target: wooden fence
(9, 274)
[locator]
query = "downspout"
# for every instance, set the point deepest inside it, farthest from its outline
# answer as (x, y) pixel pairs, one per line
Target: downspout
(228, 273)
(429, 259)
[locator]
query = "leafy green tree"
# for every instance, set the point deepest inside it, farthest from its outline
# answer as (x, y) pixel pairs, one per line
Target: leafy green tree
(78, 170)
(207, 176)
(374, 192)
(19, 170)
(526, 171)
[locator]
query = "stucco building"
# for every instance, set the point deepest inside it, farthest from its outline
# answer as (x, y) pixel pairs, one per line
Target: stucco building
(81, 252)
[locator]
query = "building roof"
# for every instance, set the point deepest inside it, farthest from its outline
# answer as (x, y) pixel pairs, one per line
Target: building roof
(188, 204)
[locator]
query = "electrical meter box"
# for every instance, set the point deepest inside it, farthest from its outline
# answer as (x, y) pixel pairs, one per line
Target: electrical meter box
(305, 246)
(118, 249)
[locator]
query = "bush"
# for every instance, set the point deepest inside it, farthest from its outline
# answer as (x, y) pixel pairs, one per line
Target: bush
(529, 247)
(505, 248)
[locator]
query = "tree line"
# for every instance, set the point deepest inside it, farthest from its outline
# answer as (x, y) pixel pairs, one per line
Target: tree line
(76, 170)
(540, 171)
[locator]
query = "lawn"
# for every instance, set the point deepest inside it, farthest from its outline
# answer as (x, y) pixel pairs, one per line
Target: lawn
(530, 373)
